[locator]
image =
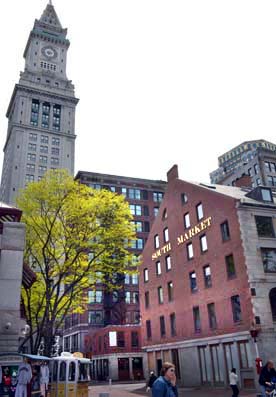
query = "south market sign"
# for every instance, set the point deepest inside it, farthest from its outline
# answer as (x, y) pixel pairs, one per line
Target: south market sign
(183, 238)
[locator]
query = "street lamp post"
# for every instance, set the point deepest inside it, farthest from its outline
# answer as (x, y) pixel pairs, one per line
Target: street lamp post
(254, 334)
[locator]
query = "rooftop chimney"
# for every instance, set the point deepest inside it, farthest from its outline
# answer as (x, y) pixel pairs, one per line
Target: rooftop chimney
(172, 174)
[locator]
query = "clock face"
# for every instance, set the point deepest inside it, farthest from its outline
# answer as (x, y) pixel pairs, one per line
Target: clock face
(49, 52)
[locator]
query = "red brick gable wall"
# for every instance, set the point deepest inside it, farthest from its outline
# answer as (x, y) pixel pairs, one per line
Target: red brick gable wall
(220, 208)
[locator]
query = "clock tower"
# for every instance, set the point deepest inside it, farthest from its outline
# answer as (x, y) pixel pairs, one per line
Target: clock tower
(41, 113)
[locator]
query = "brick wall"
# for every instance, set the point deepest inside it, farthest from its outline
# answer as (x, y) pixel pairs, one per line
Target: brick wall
(220, 208)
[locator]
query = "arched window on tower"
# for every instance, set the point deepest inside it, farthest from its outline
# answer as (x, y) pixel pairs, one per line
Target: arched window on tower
(272, 298)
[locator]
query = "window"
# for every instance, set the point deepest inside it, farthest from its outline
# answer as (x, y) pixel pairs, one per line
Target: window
(156, 241)
(184, 198)
(266, 194)
(166, 235)
(120, 339)
(138, 244)
(55, 150)
(170, 291)
(134, 279)
(134, 194)
(32, 136)
(115, 296)
(127, 297)
(160, 295)
(30, 167)
(127, 279)
(187, 222)
(155, 211)
(158, 268)
(95, 296)
(31, 157)
(270, 181)
(56, 117)
(146, 227)
(162, 326)
(212, 315)
(146, 275)
(157, 196)
(42, 169)
(190, 251)
(267, 166)
(168, 263)
(148, 328)
(256, 168)
(244, 354)
(54, 161)
(193, 282)
(43, 149)
(43, 159)
(146, 210)
(134, 339)
(196, 314)
(29, 178)
(249, 171)
(199, 211)
(135, 297)
(230, 266)
(136, 317)
(225, 233)
(147, 300)
(165, 214)
(173, 324)
(95, 317)
(44, 139)
(207, 276)
(264, 226)
(32, 146)
(138, 226)
(236, 308)
(55, 141)
(135, 209)
(269, 259)
(34, 112)
(258, 181)
(203, 243)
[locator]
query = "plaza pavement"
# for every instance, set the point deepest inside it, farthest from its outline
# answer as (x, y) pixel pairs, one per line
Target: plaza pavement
(139, 389)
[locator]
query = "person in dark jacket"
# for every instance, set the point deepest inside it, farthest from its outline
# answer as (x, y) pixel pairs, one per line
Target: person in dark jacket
(165, 385)
(151, 380)
(267, 373)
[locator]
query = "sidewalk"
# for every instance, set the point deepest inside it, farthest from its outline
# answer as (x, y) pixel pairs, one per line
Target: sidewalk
(138, 389)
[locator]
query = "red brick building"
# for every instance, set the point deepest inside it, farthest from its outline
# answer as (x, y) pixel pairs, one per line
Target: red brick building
(116, 353)
(204, 281)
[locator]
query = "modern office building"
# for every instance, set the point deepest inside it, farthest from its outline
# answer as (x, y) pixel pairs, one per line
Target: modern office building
(252, 163)
(41, 112)
(119, 307)
(208, 282)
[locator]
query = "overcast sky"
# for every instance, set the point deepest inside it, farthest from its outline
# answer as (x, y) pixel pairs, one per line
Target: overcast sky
(159, 82)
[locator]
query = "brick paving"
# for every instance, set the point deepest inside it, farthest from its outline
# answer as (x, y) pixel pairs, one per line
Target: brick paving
(138, 389)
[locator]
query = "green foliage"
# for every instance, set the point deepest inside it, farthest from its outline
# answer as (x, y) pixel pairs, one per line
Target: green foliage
(74, 235)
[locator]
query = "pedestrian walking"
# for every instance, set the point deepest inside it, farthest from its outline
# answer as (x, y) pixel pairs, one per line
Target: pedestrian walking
(165, 384)
(267, 374)
(24, 377)
(233, 377)
(151, 380)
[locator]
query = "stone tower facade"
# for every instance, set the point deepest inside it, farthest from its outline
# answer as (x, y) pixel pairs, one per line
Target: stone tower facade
(41, 113)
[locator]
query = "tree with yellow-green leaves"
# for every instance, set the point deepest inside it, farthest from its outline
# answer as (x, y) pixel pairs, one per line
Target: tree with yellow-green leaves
(74, 235)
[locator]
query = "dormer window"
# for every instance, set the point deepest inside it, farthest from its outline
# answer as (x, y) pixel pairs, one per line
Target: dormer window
(266, 194)
(261, 193)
